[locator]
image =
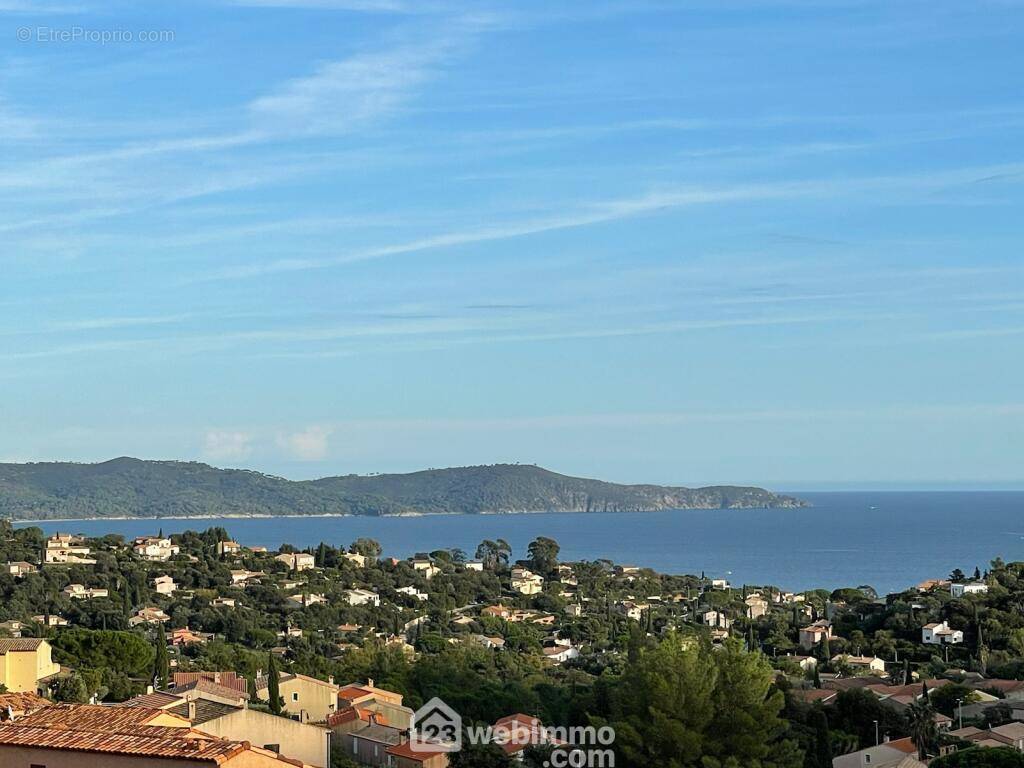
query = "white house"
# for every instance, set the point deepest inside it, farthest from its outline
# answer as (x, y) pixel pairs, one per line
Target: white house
(715, 619)
(361, 597)
(19, 568)
(526, 582)
(155, 548)
(80, 592)
(558, 654)
(474, 565)
(941, 634)
(228, 548)
(164, 585)
(860, 663)
(412, 592)
(970, 588)
(64, 548)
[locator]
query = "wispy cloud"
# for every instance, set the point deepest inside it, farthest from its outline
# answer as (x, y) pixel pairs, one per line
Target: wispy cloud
(309, 444)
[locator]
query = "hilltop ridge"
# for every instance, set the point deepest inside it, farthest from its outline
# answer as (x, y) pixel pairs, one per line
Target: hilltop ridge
(128, 487)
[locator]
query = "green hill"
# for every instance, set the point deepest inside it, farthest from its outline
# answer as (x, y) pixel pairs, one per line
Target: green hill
(128, 487)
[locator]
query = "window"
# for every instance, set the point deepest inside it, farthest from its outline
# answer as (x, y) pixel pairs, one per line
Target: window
(295, 697)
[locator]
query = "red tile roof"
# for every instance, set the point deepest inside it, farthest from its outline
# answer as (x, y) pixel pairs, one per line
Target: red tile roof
(90, 717)
(903, 745)
(405, 750)
(350, 692)
(22, 702)
(19, 644)
(227, 679)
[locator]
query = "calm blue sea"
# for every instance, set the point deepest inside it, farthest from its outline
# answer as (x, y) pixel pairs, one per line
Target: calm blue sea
(889, 540)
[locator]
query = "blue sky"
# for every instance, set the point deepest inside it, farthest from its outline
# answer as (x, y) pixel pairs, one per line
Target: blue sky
(682, 242)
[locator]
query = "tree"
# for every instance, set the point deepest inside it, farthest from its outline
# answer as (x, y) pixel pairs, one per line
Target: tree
(273, 686)
(543, 554)
(71, 690)
(981, 757)
(161, 663)
(369, 548)
(922, 728)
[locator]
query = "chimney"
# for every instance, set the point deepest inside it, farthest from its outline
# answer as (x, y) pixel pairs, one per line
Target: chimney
(369, 682)
(149, 689)
(330, 679)
(192, 711)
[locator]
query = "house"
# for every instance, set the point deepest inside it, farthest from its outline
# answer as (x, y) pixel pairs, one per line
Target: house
(929, 584)
(51, 620)
(148, 615)
(243, 576)
(860, 663)
(307, 599)
(185, 636)
(297, 561)
(757, 606)
(164, 585)
(356, 558)
(970, 588)
(225, 548)
(384, 704)
(720, 584)
(494, 643)
(815, 633)
(631, 610)
(558, 654)
(309, 699)
(21, 704)
(155, 548)
(19, 568)
(224, 602)
(361, 597)
(416, 754)
(12, 628)
(474, 565)
(62, 548)
(25, 662)
(309, 744)
(89, 736)
(498, 611)
(525, 582)
(1008, 735)
(573, 609)
(890, 754)
(80, 592)
(941, 634)
(412, 592)
(515, 733)
(426, 567)
(715, 619)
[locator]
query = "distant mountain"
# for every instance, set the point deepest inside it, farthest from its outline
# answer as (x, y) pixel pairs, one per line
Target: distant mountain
(128, 487)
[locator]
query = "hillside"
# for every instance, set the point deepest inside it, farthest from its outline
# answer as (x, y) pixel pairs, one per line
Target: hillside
(129, 487)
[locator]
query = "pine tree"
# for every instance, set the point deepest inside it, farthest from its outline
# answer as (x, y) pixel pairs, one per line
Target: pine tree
(273, 686)
(161, 664)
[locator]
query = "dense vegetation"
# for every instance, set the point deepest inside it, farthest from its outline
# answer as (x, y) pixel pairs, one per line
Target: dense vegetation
(133, 488)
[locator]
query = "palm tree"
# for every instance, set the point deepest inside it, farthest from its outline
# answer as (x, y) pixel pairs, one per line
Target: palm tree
(922, 727)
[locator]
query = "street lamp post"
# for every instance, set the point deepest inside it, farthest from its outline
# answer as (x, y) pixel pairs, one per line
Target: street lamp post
(876, 733)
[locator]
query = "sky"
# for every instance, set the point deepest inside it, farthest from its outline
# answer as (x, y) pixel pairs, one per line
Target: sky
(774, 242)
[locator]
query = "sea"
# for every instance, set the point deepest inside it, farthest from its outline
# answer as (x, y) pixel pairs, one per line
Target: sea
(887, 540)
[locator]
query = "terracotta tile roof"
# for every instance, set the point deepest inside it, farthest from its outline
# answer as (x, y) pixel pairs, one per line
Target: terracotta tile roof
(405, 750)
(350, 692)
(143, 741)
(89, 717)
(156, 700)
(212, 688)
(814, 694)
(349, 714)
(19, 644)
(227, 679)
(22, 702)
(903, 745)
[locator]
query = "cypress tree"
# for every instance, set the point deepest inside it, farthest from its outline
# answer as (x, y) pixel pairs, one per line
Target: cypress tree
(161, 664)
(822, 739)
(273, 686)
(817, 678)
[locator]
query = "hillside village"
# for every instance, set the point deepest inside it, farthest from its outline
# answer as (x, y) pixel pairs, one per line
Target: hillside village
(206, 647)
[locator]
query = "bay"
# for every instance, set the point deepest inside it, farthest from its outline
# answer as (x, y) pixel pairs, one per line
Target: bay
(889, 540)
